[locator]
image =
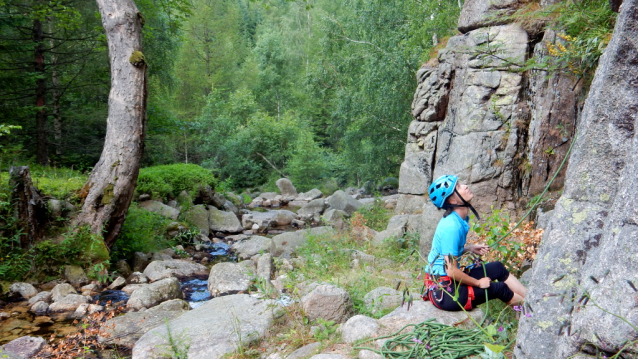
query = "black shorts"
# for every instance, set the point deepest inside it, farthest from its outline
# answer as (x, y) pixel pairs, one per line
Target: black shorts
(442, 295)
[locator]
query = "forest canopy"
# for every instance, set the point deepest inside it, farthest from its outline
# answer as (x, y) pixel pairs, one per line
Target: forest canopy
(316, 90)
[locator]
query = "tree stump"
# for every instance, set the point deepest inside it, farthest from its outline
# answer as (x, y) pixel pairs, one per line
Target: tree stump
(29, 206)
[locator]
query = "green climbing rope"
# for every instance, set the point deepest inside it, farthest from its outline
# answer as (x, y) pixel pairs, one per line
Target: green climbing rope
(569, 150)
(430, 339)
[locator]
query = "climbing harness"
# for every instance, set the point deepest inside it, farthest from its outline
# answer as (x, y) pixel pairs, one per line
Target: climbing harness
(429, 339)
(431, 285)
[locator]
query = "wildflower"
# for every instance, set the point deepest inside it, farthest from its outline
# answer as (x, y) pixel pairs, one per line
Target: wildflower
(500, 329)
(416, 340)
(518, 308)
(419, 276)
(528, 315)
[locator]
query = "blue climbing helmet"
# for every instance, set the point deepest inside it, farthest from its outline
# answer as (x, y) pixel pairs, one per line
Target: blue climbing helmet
(442, 188)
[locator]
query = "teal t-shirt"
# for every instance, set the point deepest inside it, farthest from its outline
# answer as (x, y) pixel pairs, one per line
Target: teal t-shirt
(449, 239)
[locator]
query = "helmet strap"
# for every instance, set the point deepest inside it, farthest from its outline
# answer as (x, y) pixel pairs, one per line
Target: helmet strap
(467, 204)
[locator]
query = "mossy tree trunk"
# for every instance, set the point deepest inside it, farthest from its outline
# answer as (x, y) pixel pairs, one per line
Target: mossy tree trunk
(109, 189)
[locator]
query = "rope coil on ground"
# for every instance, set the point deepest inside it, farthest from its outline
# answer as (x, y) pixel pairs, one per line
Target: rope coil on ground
(430, 339)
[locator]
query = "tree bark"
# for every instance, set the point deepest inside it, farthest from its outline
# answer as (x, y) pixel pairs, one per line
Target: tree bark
(30, 207)
(109, 189)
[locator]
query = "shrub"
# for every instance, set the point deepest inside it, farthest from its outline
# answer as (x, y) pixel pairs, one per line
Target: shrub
(167, 181)
(60, 183)
(376, 216)
(142, 231)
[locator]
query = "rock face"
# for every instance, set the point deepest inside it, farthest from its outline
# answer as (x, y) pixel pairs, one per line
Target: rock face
(173, 268)
(589, 245)
(482, 13)
(476, 118)
(126, 329)
(327, 302)
(212, 329)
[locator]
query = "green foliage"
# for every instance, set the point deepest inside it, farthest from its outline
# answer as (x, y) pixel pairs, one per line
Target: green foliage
(491, 230)
(583, 30)
(376, 216)
(78, 247)
(61, 183)
(327, 329)
(167, 181)
(142, 231)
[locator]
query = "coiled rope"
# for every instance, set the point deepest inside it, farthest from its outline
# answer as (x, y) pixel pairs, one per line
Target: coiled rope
(430, 339)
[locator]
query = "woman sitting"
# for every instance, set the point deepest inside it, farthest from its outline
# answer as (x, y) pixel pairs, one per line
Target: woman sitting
(447, 286)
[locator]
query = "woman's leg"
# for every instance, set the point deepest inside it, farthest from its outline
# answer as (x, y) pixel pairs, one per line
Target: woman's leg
(516, 286)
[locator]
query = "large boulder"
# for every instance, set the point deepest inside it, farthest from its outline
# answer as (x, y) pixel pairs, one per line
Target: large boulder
(310, 195)
(314, 207)
(25, 290)
(286, 187)
(359, 327)
(344, 202)
(229, 278)
(157, 270)
(198, 216)
(221, 221)
(285, 244)
(22, 348)
(284, 218)
(160, 208)
(153, 294)
(251, 246)
(583, 282)
(62, 290)
(127, 329)
(68, 304)
(328, 302)
(381, 299)
(140, 261)
(336, 218)
(213, 329)
(75, 275)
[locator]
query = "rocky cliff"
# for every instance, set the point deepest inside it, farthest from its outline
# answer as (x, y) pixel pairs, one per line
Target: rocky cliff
(477, 115)
(505, 132)
(583, 283)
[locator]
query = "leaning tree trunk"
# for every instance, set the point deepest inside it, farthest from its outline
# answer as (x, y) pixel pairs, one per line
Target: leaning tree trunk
(109, 189)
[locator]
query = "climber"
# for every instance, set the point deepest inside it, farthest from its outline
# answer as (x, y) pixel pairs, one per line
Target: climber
(444, 278)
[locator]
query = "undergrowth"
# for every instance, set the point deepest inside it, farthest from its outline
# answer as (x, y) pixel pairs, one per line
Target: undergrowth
(142, 231)
(167, 181)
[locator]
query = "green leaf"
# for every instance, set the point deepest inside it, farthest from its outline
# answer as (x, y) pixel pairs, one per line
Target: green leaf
(494, 348)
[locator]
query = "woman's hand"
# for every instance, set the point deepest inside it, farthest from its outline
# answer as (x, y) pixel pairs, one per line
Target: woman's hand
(479, 249)
(484, 283)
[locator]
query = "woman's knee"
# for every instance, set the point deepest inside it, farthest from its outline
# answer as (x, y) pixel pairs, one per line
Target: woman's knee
(498, 271)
